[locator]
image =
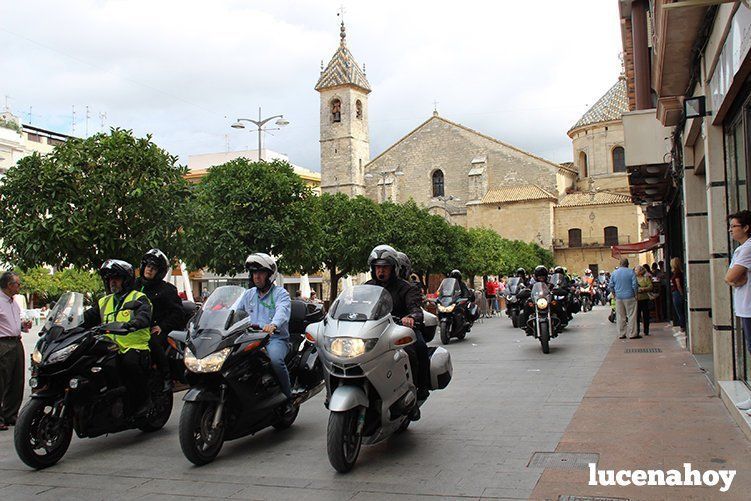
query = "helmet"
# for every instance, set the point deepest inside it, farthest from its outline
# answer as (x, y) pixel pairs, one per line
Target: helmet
(558, 269)
(521, 271)
(117, 268)
(260, 261)
(602, 272)
(455, 274)
(405, 265)
(587, 271)
(540, 271)
(157, 259)
(383, 255)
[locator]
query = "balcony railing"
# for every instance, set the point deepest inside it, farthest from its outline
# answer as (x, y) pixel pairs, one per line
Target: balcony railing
(590, 242)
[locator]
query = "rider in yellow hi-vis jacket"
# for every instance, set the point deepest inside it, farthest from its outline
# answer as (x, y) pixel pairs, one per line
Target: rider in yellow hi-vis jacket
(131, 308)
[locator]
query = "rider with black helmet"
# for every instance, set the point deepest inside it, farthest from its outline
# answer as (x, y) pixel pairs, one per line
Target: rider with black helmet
(540, 274)
(521, 273)
(384, 270)
(118, 278)
(168, 312)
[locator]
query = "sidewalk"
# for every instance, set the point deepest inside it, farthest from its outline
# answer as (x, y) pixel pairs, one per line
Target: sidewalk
(650, 411)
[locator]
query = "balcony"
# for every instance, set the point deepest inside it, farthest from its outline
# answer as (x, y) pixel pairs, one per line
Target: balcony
(591, 243)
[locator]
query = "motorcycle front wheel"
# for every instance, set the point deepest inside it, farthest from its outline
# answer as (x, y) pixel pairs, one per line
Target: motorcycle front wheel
(545, 337)
(40, 436)
(342, 440)
(199, 440)
(445, 337)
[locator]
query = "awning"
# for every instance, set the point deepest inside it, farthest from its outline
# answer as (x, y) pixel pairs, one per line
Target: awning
(636, 248)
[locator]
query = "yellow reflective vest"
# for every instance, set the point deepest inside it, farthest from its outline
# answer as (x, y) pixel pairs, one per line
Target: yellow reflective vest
(110, 311)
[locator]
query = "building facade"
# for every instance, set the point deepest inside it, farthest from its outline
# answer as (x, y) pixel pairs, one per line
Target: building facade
(18, 141)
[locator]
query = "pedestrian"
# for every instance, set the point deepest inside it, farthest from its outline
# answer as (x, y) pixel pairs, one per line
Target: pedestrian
(643, 301)
(11, 350)
(502, 285)
(625, 287)
(737, 277)
(677, 291)
(491, 289)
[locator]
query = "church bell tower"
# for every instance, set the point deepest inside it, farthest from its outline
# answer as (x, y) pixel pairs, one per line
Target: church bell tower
(345, 140)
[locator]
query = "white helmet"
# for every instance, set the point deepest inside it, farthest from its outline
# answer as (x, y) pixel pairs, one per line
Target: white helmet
(405, 265)
(261, 261)
(383, 255)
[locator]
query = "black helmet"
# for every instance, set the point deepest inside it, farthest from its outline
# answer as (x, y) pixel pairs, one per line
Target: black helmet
(405, 265)
(521, 272)
(540, 271)
(383, 255)
(558, 269)
(158, 260)
(117, 268)
(455, 274)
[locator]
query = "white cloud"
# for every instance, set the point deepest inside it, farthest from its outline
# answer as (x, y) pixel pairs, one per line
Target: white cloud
(523, 72)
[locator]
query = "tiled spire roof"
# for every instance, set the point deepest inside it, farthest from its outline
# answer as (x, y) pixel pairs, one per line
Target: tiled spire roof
(343, 69)
(608, 108)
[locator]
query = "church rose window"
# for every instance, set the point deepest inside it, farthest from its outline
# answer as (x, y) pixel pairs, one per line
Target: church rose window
(438, 183)
(619, 159)
(358, 109)
(611, 235)
(336, 110)
(575, 237)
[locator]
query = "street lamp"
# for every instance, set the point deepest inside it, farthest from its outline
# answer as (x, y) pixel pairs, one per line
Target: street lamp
(446, 200)
(384, 174)
(281, 122)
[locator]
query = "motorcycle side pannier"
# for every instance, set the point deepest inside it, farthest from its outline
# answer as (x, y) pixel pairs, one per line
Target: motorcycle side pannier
(440, 368)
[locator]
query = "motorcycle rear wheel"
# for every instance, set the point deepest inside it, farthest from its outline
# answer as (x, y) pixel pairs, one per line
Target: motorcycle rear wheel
(342, 441)
(164, 410)
(32, 433)
(199, 443)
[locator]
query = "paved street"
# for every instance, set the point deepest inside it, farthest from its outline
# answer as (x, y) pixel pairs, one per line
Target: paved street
(507, 400)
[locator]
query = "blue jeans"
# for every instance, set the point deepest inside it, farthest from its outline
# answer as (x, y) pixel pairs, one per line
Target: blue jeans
(747, 331)
(678, 307)
(277, 350)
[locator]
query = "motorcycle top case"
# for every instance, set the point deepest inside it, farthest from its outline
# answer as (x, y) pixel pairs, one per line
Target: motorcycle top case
(440, 368)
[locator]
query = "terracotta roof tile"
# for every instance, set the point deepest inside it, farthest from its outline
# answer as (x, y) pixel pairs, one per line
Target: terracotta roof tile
(581, 199)
(519, 193)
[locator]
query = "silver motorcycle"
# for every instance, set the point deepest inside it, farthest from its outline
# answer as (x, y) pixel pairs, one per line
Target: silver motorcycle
(370, 383)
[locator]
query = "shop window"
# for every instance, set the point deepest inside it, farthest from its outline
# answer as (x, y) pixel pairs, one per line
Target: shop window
(611, 235)
(619, 159)
(575, 237)
(438, 183)
(336, 111)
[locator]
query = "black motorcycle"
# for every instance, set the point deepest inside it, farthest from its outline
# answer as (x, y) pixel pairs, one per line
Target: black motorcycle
(456, 314)
(559, 291)
(513, 303)
(234, 392)
(542, 321)
(76, 384)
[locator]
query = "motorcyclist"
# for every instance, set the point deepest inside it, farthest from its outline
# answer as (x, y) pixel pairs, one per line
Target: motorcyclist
(269, 306)
(540, 274)
(119, 279)
(521, 273)
(384, 271)
(168, 312)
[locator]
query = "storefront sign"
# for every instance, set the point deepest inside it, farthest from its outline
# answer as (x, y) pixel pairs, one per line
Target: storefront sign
(733, 53)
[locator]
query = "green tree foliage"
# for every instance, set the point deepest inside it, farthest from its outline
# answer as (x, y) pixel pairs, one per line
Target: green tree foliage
(40, 283)
(242, 207)
(485, 255)
(111, 195)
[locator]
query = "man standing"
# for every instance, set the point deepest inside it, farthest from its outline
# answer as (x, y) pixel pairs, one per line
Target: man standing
(11, 350)
(623, 283)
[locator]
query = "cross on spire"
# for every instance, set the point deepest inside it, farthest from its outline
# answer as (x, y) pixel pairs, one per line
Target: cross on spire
(343, 31)
(435, 108)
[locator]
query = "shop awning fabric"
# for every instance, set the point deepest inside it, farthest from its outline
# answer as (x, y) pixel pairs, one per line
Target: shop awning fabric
(646, 245)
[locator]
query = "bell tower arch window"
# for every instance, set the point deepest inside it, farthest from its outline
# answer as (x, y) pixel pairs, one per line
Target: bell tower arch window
(583, 164)
(336, 111)
(358, 109)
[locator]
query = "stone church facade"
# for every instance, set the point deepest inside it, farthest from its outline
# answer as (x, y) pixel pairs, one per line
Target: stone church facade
(577, 210)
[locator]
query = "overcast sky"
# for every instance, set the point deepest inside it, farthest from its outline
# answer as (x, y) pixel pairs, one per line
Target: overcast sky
(520, 71)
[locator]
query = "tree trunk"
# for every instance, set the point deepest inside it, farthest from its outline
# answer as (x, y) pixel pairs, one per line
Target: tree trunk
(334, 288)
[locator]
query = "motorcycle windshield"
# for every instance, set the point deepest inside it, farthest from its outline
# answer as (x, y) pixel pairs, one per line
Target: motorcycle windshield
(540, 289)
(67, 312)
(513, 285)
(361, 303)
(557, 280)
(218, 312)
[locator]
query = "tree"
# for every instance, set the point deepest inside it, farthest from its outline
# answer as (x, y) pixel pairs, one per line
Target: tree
(38, 283)
(242, 207)
(485, 254)
(343, 231)
(45, 286)
(108, 196)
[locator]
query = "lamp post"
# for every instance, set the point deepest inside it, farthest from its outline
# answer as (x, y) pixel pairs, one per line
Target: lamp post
(281, 122)
(446, 200)
(384, 174)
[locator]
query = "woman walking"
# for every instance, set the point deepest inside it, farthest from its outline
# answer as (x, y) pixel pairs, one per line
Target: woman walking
(677, 291)
(642, 299)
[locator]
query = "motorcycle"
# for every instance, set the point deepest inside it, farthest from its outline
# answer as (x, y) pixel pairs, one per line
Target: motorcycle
(371, 392)
(233, 390)
(586, 296)
(560, 301)
(513, 303)
(602, 292)
(454, 310)
(76, 384)
(543, 323)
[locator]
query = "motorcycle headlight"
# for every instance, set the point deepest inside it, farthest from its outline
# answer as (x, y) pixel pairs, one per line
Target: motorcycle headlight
(36, 356)
(348, 347)
(60, 355)
(542, 303)
(210, 363)
(446, 309)
(512, 299)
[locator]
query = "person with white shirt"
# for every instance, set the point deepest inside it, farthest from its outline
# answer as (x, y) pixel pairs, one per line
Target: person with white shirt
(737, 277)
(11, 350)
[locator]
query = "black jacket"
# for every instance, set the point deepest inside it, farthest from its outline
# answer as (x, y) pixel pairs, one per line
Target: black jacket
(140, 318)
(406, 298)
(168, 307)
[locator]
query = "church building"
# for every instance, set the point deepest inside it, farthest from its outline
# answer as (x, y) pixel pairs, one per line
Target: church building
(577, 210)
